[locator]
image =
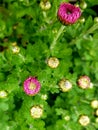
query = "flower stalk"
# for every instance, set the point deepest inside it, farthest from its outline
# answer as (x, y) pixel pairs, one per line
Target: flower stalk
(60, 31)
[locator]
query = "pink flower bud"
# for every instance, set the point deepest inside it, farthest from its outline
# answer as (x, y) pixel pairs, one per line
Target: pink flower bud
(68, 13)
(31, 86)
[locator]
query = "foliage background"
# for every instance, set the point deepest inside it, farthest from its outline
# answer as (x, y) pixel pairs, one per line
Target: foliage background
(33, 29)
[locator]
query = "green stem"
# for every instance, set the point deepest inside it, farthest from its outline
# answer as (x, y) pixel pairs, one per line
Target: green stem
(84, 101)
(56, 38)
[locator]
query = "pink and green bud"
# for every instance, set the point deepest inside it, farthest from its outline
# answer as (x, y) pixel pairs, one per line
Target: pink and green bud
(31, 86)
(68, 13)
(84, 82)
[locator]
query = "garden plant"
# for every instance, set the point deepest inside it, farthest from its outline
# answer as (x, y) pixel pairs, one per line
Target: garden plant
(48, 65)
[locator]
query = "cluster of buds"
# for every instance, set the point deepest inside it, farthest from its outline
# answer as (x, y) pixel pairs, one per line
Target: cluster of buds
(36, 111)
(94, 105)
(67, 14)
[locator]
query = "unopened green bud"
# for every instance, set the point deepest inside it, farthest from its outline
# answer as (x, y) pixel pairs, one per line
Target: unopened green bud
(96, 19)
(83, 5)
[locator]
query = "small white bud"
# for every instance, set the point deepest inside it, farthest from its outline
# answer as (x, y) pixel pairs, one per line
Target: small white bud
(96, 112)
(84, 120)
(36, 111)
(45, 5)
(15, 49)
(94, 104)
(3, 94)
(65, 85)
(67, 118)
(44, 96)
(96, 120)
(53, 62)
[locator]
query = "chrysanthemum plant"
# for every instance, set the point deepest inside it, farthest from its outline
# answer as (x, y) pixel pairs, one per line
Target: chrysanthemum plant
(48, 65)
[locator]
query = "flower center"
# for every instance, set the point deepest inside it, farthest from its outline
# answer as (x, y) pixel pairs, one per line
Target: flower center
(85, 82)
(32, 86)
(69, 11)
(67, 84)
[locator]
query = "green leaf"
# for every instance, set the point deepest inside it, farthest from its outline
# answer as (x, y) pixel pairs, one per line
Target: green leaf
(4, 106)
(93, 2)
(88, 23)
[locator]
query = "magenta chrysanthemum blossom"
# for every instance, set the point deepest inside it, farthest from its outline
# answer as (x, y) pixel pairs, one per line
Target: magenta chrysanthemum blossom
(31, 86)
(68, 13)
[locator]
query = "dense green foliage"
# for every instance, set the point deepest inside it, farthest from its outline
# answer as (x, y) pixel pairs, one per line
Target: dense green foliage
(27, 33)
